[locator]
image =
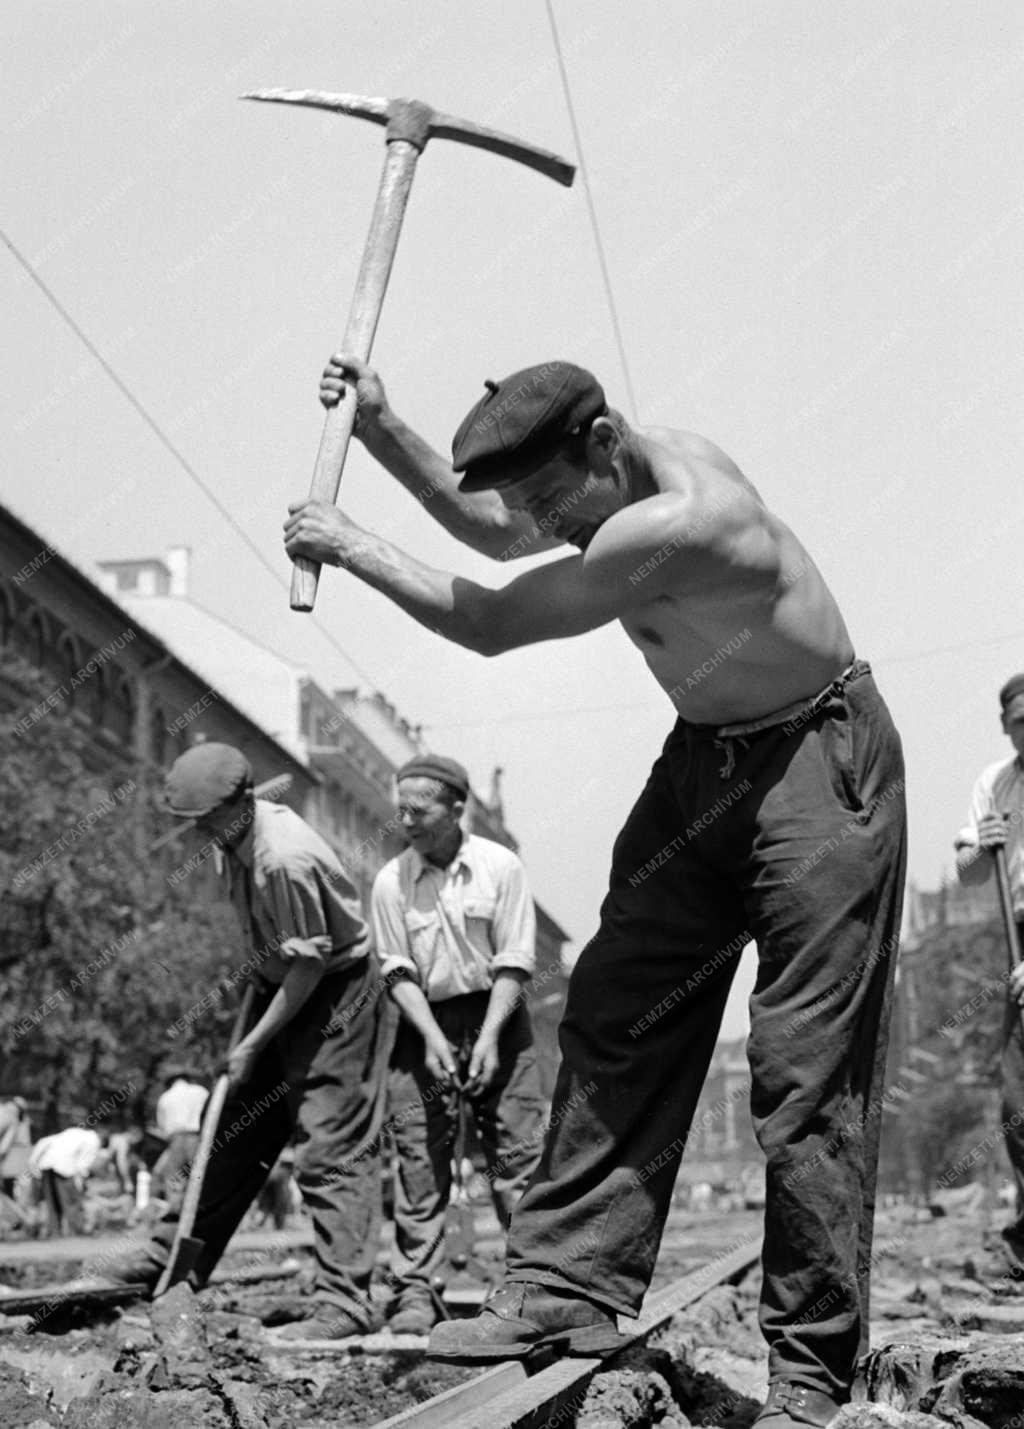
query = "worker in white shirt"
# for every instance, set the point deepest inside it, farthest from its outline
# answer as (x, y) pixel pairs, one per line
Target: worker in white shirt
(996, 820)
(179, 1115)
(454, 925)
(63, 1163)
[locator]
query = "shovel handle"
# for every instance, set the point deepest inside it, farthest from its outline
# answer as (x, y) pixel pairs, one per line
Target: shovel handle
(1009, 920)
(1006, 904)
(197, 1172)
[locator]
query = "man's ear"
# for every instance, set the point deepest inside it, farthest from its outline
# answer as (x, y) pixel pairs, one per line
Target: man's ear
(602, 445)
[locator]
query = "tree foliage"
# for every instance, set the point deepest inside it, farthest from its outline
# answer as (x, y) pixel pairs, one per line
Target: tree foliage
(103, 960)
(952, 998)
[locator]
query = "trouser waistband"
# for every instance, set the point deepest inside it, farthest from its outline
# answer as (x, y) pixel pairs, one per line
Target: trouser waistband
(798, 713)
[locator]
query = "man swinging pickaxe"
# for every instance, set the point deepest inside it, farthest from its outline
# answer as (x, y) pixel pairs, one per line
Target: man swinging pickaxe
(409, 125)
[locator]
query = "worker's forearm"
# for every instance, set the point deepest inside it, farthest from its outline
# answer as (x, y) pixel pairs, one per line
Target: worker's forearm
(506, 994)
(427, 595)
(973, 864)
(479, 520)
(411, 1001)
(298, 986)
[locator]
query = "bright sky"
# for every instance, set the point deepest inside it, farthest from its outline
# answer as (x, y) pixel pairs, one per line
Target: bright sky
(812, 222)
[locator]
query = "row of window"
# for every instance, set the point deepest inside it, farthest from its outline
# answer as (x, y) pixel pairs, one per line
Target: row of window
(100, 691)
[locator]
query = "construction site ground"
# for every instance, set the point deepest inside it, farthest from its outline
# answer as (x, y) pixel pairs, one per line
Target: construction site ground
(947, 1336)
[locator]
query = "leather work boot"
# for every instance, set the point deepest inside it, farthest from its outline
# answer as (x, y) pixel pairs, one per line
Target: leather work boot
(415, 1312)
(792, 1406)
(518, 1318)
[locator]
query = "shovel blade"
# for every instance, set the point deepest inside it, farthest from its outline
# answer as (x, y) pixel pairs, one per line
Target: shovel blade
(181, 1263)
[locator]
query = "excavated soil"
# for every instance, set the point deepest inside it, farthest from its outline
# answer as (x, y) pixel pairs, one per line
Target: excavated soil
(948, 1336)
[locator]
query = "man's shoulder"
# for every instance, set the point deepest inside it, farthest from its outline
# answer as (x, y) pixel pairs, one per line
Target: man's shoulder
(666, 443)
(491, 854)
(390, 877)
(701, 499)
(997, 774)
(284, 842)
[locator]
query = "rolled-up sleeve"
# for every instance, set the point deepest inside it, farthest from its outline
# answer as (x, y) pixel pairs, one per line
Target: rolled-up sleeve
(515, 922)
(387, 917)
(297, 912)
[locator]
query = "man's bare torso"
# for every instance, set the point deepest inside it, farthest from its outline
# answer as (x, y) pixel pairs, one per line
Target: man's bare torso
(749, 625)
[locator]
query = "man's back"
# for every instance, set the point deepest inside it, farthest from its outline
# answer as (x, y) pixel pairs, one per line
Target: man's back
(180, 1107)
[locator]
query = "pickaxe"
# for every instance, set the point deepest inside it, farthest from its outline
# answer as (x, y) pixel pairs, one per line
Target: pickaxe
(409, 125)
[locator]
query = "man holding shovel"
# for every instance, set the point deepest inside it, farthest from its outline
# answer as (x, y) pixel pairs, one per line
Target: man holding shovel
(454, 925)
(312, 1064)
(775, 812)
(993, 839)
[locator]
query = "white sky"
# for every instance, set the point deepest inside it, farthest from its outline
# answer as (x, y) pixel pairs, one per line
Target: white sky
(812, 219)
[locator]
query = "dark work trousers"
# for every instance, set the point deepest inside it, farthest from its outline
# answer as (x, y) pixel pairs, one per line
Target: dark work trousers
(795, 836)
(321, 1080)
(1013, 1099)
(63, 1200)
(423, 1117)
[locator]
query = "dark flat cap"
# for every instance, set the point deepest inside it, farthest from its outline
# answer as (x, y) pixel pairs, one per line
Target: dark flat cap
(436, 766)
(517, 418)
(204, 777)
(1013, 687)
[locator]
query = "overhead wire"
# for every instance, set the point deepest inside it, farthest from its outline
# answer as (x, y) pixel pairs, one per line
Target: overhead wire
(279, 579)
(169, 446)
(592, 210)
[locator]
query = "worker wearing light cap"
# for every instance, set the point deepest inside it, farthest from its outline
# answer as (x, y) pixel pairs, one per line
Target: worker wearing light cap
(454, 925)
(996, 819)
(312, 1066)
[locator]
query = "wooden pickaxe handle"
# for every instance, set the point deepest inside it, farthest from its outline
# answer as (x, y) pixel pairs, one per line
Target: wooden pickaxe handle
(410, 123)
(378, 255)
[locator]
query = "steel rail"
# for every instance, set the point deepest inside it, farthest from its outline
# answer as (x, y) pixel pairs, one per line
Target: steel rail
(518, 1395)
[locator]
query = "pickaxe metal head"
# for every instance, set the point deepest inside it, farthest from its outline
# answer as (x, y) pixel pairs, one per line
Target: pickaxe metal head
(416, 122)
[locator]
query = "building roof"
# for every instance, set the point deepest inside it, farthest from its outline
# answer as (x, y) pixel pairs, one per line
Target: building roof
(256, 679)
(46, 554)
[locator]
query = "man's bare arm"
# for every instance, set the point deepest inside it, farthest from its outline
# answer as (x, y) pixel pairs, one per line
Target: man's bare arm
(479, 520)
(546, 603)
(671, 548)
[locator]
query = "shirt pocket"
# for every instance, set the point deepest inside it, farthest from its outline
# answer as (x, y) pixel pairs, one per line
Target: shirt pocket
(423, 931)
(478, 911)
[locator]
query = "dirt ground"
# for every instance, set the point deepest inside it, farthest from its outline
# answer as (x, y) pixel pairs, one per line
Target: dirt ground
(212, 1361)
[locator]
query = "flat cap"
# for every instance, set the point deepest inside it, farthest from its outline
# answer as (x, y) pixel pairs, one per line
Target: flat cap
(436, 766)
(204, 777)
(1013, 687)
(517, 418)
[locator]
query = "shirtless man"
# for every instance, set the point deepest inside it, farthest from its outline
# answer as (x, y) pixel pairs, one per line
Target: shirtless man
(775, 812)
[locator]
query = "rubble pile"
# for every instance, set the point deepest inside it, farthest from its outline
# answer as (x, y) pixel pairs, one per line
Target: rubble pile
(183, 1363)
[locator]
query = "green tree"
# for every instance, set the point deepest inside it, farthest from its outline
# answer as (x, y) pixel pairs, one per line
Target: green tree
(102, 959)
(940, 1132)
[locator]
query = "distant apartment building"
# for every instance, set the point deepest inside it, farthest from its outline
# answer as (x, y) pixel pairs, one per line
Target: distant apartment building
(148, 672)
